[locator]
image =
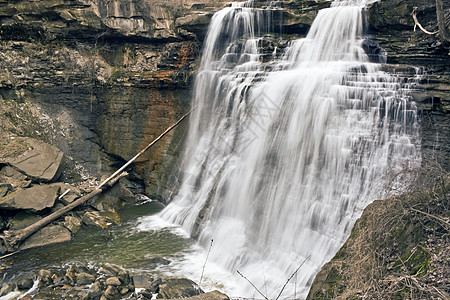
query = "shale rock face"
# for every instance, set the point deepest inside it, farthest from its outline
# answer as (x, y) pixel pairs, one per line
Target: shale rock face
(100, 79)
(391, 27)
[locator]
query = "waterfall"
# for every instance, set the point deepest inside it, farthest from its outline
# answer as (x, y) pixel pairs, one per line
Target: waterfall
(284, 152)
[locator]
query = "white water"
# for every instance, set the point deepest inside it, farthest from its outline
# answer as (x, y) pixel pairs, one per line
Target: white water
(282, 157)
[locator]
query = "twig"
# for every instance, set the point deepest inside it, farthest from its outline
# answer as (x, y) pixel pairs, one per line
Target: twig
(63, 194)
(8, 255)
(204, 265)
(430, 215)
(293, 274)
(416, 23)
(265, 297)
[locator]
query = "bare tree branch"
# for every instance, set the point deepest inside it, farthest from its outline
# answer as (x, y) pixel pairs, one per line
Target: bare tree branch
(417, 24)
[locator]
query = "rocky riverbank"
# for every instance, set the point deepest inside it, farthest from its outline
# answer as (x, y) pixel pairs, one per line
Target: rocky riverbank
(108, 282)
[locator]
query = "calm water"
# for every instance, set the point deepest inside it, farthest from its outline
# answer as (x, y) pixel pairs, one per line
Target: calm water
(139, 238)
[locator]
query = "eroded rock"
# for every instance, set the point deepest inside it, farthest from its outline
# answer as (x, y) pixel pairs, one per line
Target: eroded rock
(100, 219)
(178, 288)
(72, 223)
(22, 219)
(214, 295)
(40, 160)
(52, 234)
(34, 199)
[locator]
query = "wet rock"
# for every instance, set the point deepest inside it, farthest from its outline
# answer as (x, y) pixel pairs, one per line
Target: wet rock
(34, 199)
(100, 219)
(157, 261)
(22, 219)
(95, 291)
(84, 279)
(142, 280)
(111, 269)
(45, 277)
(214, 295)
(82, 295)
(124, 277)
(178, 288)
(145, 294)
(5, 188)
(115, 198)
(69, 196)
(71, 275)
(41, 161)
(52, 234)
(25, 283)
(154, 285)
(72, 223)
(112, 293)
(81, 268)
(113, 281)
(12, 173)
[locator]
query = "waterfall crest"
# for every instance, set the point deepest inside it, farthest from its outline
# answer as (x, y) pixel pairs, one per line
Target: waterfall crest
(283, 154)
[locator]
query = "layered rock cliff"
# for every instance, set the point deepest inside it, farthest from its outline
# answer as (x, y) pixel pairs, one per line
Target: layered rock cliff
(100, 79)
(103, 77)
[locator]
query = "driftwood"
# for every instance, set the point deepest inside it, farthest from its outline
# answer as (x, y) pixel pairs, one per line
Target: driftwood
(12, 239)
(417, 24)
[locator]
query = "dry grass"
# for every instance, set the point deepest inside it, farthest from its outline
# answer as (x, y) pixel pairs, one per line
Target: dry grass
(398, 249)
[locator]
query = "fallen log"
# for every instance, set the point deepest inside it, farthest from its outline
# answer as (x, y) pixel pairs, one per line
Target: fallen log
(13, 238)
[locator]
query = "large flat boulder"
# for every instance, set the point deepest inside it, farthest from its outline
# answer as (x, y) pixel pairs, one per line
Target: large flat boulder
(178, 288)
(38, 160)
(52, 234)
(34, 199)
(214, 295)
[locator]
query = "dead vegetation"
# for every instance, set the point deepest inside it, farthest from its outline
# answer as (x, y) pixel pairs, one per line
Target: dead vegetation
(398, 249)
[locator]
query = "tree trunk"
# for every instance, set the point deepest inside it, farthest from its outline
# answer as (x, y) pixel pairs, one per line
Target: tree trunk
(12, 239)
(443, 30)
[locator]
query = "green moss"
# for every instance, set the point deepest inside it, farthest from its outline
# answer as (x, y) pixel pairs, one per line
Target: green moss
(416, 261)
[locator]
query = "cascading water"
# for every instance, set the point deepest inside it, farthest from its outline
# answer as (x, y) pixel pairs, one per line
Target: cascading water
(282, 156)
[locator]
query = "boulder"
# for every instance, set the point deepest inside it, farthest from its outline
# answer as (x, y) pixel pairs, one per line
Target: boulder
(95, 291)
(213, 295)
(52, 234)
(21, 220)
(143, 281)
(178, 288)
(71, 195)
(100, 219)
(12, 173)
(72, 223)
(112, 293)
(5, 188)
(113, 281)
(115, 198)
(34, 199)
(40, 160)
(156, 262)
(85, 278)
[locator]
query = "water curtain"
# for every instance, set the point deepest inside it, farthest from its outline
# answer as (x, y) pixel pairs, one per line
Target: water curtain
(287, 149)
